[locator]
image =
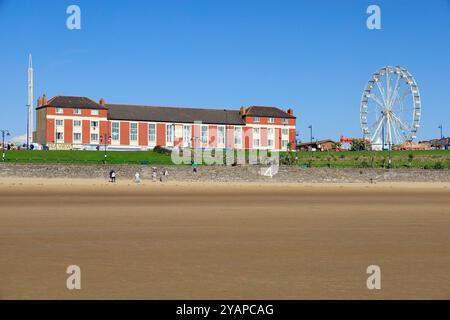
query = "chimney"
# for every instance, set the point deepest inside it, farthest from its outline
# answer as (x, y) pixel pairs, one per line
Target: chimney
(102, 102)
(44, 100)
(290, 112)
(242, 111)
(39, 102)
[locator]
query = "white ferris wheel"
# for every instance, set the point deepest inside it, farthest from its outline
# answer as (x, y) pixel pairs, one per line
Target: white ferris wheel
(390, 108)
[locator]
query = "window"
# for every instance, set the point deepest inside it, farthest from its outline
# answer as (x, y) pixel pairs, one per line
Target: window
(94, 124)
(133, 131)
(187, 135)
(284, 143)
(59, 136)
(77, 136)
(59, 110)
(204, 134)
(94, 112)
(285, 132)
(151, 133)
(269, 131)
(271, 120)
(59, 123)
(255, 142)
(255, 130)
(77, 111)
(237, 135)
(270, 143)
(94, 137)
(169, 133)
(77, 123)
(256, 119)
(221, 135)
(285, 120)
(115, 131)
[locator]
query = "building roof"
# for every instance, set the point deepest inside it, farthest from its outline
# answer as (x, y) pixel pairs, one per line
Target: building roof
(273, 112)
(71, 102)
(173, 114)
(304, 144)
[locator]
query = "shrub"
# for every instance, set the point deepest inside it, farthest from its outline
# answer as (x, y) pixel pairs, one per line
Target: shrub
(162, 150)
(438, 166)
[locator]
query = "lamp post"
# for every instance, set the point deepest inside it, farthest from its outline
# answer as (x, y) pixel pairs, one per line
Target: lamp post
(105, 138)
(311, 135)
(440, 127)
(4, 133)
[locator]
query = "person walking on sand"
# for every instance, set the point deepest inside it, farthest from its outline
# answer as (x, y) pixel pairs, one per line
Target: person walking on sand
(112, 176)
(137, 178)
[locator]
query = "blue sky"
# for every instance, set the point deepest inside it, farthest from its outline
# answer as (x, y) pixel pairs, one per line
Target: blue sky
(314, 56)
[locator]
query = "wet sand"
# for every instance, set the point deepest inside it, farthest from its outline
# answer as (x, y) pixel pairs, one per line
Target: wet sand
(223, 241)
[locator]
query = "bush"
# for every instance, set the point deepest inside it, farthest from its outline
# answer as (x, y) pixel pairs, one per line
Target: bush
(438, 166)
(162, 150)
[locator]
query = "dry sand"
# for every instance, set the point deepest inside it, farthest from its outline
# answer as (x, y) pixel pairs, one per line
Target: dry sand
(230, 241)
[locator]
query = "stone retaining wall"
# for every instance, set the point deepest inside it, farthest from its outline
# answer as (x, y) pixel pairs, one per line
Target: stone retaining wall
(290, 174)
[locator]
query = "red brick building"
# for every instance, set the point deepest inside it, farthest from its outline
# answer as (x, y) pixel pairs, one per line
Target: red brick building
(65, 122)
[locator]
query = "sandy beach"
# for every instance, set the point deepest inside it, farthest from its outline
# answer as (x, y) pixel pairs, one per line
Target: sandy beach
(223, 241)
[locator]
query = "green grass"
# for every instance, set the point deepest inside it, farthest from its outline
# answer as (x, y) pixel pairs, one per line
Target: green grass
(348, 159)
(87, 157)
(429, 159)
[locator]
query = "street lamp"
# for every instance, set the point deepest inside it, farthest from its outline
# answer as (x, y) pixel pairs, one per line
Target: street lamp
(311, 135)
(105, 138)
(4, 133)
(440, 127)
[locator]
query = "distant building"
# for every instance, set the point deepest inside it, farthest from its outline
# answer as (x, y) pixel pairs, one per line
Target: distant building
(65, 122)
(322, 145)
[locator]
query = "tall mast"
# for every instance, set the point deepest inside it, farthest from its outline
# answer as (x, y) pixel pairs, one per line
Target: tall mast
(30, 102)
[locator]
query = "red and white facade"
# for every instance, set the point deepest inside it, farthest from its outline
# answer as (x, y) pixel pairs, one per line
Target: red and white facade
(80, 123)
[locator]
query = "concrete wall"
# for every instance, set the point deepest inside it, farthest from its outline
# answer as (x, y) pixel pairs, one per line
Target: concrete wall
(225, 174)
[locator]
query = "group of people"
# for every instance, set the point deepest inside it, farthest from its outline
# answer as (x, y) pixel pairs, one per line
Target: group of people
(137, 176)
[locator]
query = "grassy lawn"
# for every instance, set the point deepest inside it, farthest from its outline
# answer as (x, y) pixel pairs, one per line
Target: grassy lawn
(88, 157)
(430, 159)
(436, 159)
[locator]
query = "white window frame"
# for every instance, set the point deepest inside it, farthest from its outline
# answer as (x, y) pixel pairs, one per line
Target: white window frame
(256, 142)
(77, 140)
(203, 136)
(94, 134)
(170, 137)
(271, 120)
(132, 134)
(75, 123)
(59, 110)
(76, 111)
(256, 119)
(59, 121)
(95, 124)
(283, 132)
(60, 133)
(187, 140)
(115, 136)
(221, 136)
(285, 120)
(151, 141)
(94, 112)
(238, 136)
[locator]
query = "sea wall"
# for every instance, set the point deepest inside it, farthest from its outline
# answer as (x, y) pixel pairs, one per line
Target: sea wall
(288, 174)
